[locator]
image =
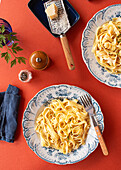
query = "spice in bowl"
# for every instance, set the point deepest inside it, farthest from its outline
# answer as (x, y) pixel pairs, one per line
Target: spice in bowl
(25, 76)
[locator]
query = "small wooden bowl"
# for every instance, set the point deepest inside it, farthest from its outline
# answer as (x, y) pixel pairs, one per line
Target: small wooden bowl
(39, 60)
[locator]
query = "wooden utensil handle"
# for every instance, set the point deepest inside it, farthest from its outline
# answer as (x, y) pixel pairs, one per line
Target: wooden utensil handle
(101, 141)
(67, 52)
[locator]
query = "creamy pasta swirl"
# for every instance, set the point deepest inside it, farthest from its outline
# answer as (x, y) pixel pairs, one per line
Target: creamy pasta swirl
(63, 125)
(107, 46)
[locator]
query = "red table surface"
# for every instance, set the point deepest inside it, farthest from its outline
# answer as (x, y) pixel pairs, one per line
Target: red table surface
(33, 36)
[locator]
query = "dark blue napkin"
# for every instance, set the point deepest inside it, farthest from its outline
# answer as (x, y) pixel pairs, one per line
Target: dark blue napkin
(9, 103)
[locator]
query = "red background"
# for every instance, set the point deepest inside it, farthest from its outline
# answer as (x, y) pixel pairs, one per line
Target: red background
(33, 36)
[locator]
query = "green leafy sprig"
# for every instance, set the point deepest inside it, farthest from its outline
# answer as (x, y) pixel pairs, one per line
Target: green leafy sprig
(11, 37)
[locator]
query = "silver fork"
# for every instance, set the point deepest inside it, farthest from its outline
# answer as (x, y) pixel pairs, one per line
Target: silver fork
(87, 103)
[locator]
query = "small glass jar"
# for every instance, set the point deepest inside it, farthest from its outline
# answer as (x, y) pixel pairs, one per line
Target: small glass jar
(39, 60)
(8, 29)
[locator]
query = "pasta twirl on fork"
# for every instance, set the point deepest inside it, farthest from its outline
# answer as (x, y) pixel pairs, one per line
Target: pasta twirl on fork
(63, 125)
(107, 46)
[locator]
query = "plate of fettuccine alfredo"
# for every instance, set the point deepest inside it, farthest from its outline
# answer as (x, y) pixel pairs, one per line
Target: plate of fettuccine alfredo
(57, 127)
(101, 45)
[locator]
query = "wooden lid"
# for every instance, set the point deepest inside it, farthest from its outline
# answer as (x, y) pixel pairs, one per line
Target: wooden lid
(39, 60)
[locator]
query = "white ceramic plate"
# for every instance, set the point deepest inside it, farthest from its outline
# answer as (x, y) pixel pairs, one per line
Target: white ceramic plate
(52, 155)
(98, 71)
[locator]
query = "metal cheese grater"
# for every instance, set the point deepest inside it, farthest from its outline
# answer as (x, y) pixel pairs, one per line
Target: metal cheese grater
(60, 26)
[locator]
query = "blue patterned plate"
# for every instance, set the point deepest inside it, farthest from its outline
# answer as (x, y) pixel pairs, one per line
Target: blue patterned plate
(52, 155)
(87, 42)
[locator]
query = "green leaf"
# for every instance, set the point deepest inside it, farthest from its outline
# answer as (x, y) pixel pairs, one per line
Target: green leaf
(7, 57)
(12, 33)
(4, 41)
(0, 41)
(13, 62)
(3, 55)
(2, 37)
(21, 59)
(14, 51)
(2, 29)
(18, 48)
(1, 46)
(14, 38)
(11, 36)
(14, 45)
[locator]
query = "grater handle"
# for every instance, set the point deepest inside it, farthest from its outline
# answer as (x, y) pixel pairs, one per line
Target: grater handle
(67, 52)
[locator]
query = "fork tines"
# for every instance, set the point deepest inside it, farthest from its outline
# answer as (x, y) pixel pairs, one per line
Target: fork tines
(86, 100)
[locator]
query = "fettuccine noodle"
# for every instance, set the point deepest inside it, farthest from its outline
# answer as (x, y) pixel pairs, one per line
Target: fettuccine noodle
(107, 46)
(63, 125)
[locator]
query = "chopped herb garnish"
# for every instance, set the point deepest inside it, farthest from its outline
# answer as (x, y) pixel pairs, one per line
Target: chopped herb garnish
(119, 35)
(68, 137)
(119, 41)
(119, 27)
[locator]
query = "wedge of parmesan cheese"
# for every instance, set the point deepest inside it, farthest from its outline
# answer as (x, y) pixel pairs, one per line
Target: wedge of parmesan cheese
(52, 11)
